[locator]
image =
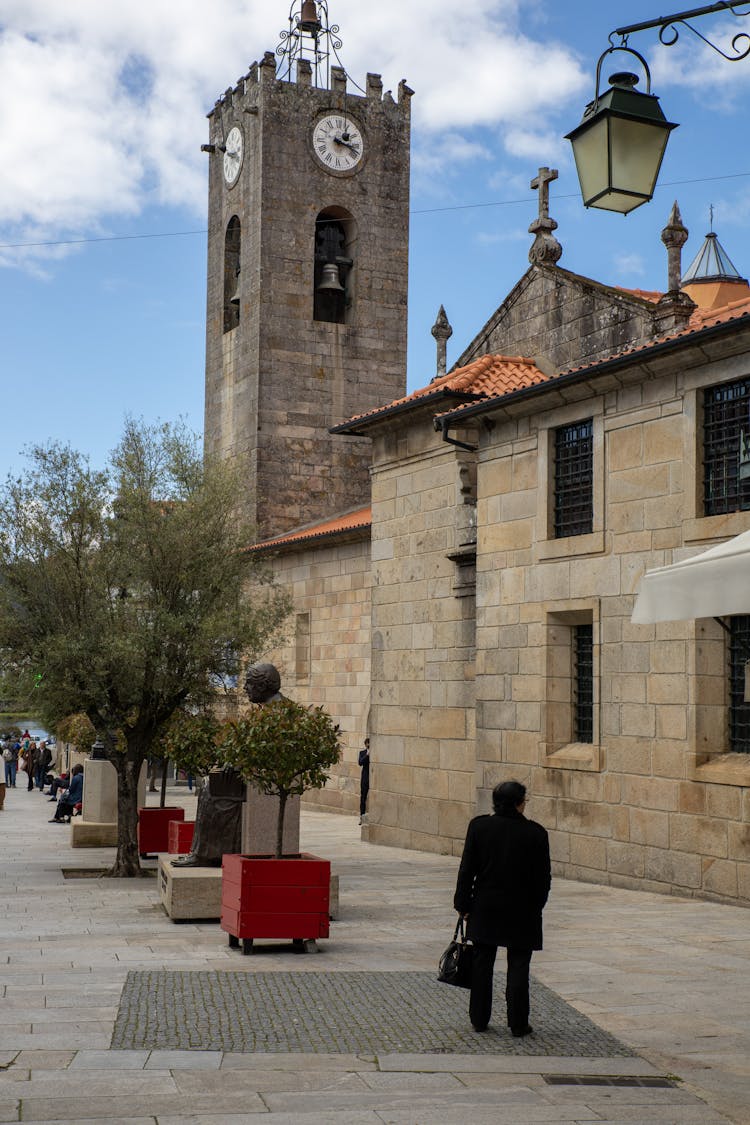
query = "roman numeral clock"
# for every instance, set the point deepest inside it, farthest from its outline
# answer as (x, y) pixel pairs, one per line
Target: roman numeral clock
(308, 217)
(337, 143)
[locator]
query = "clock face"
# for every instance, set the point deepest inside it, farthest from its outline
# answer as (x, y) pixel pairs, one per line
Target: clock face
(233, 155)
(338, 143)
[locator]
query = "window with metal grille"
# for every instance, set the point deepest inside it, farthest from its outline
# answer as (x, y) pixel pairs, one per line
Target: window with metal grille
(739, 710)
(302, 647)
(583, 683)
(726, 448)
(574, 479)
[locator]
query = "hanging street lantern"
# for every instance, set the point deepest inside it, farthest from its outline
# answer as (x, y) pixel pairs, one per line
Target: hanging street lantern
(620, 143)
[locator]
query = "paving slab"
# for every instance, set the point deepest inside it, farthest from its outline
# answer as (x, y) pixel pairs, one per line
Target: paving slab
(516, 1064)
(267, 1081)
(110, 1060)
(260, 1060)
(84, 1108)
(347, 1117)
(184, 1060)
(98, 1120)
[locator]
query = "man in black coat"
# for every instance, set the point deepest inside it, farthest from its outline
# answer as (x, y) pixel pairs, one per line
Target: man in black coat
(503, 884)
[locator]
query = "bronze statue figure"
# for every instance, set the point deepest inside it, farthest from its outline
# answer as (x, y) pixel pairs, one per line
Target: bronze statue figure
(218, 817)
(263, 683)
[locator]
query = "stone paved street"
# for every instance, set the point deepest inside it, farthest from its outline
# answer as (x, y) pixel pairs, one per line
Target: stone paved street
(664, 978)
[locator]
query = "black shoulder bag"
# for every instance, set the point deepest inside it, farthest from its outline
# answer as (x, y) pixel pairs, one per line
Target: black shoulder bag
(455, 964)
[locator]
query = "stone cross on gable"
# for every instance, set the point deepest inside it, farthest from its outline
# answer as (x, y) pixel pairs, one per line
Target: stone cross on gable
(545, 249)
(541, 184)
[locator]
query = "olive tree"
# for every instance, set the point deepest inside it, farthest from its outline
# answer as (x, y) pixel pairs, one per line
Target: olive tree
(127, 593)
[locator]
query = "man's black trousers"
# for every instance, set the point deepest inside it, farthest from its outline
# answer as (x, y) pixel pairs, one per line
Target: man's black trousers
(516, 986)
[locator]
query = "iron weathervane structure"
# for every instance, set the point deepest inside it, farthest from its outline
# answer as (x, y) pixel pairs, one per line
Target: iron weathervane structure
(310, 36)
(620, 142)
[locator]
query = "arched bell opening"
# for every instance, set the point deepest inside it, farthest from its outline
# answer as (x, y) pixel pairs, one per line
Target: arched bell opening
(335, 266)
(232, 254)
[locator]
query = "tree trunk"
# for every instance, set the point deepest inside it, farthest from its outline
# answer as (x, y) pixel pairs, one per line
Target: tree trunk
(280, 825)
(128, 766)
(164, 769)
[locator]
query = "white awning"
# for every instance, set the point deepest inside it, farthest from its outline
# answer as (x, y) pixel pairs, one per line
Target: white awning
(715, 583)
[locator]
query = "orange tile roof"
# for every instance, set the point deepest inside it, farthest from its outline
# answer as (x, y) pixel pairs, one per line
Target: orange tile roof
(700, 320)
(357, 520)
(645, 294)
(485, 377)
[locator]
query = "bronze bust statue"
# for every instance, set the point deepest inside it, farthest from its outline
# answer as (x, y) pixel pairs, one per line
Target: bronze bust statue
(218, 817)
(263, 683)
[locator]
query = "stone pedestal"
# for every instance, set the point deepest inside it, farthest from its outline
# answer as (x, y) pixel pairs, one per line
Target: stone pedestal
(259, 819)
(97, 826)
(91, 834)
(190, 893)
(194, 893)
(99, 792)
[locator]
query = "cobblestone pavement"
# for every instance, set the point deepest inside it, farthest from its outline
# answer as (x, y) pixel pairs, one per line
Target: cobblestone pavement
(351, 1013)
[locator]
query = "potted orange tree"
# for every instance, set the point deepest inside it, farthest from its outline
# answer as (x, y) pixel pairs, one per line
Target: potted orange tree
(282, 749)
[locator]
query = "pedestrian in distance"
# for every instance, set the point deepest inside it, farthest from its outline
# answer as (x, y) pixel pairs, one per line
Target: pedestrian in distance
(70, 797)
(62, 781)
(502, 887)
(31, 755)
(44, 759)
(363, 760)
(10, 761)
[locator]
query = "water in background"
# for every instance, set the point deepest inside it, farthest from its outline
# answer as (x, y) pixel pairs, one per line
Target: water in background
(35, 729)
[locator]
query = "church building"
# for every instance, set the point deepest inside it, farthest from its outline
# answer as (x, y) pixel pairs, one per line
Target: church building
(464, 560)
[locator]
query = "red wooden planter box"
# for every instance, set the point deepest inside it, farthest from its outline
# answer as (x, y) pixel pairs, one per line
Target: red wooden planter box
(180, 836)
(153, 828)
(264, 897)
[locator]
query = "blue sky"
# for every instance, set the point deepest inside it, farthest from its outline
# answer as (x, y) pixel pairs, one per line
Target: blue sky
(103, 117)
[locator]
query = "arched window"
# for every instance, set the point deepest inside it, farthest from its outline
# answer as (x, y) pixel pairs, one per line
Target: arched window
(232, 248)
(335, 266)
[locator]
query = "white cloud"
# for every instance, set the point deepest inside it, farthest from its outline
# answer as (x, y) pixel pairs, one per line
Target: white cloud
(104, 104)
(629, 265)
(493, 238)
(548, 146)
(433, 154)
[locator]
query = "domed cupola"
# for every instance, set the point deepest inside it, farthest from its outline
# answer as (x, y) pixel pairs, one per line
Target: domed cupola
(712, 279)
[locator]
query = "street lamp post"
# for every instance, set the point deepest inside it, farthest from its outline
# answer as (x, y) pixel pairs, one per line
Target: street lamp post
(620, 143)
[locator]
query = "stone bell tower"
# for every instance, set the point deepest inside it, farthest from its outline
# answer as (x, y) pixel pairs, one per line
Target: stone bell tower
(307, 273)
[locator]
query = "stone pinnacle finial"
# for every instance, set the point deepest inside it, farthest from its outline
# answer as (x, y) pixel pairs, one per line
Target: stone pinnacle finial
(442, 332)
(545, 249)
(674, 236)
(674, 309)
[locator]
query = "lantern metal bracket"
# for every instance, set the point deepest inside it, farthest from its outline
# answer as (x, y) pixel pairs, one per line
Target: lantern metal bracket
(602, 57)
(670, 26)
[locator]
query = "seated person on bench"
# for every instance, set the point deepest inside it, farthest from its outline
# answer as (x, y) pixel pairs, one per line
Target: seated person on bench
(70, 797)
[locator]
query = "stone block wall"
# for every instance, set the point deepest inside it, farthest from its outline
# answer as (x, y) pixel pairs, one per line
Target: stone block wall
(656, 801)
(422, 716)
(563, 320)
(325, 658)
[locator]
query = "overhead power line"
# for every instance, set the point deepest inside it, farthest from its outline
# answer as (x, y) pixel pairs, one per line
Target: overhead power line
(420, 211)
